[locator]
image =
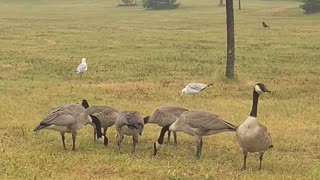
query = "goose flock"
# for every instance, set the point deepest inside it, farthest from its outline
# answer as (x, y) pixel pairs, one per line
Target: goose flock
(251, 136)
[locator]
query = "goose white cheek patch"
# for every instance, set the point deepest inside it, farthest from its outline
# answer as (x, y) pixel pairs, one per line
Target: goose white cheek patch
(172, 127)
(257, 89)
(90, 119)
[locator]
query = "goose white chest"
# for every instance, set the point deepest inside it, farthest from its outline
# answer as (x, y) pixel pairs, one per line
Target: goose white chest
(248, 126)
(247, 131)
(252, 137)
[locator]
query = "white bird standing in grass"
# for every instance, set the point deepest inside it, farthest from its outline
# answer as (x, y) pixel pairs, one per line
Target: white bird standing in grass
(82, 67)
(194, 88)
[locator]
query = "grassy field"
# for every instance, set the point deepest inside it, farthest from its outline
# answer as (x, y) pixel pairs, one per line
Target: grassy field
(139, 60)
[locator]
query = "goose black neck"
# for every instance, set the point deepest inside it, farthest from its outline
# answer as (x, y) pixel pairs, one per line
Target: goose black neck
(162, 133)
(254, 109)
(97, 124)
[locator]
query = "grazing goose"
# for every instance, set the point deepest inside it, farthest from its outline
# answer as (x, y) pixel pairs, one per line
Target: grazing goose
(254, 137)
(82, 67)
(196, 123)
(68, 118)
(129, 123)
(106, 115)
(194, 88)
(165, 115)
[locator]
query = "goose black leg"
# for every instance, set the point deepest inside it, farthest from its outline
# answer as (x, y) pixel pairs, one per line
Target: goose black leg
(245, 154)
(175, 138)
(63, 138)
(105, 137)
(74, 134)
(199, 146)
(94, 134)
(120, 138)
(260, 158)
(134, 143)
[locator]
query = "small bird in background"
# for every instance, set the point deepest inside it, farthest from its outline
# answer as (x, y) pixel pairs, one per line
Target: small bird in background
(265, 25)
(194, 88)
(82, 67)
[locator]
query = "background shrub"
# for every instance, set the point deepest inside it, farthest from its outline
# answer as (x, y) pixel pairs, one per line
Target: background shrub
(160, 4)
(311, 6)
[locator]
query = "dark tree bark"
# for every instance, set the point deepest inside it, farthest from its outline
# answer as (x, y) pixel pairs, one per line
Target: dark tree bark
(221, 3)
(230, 40)
(239, 4)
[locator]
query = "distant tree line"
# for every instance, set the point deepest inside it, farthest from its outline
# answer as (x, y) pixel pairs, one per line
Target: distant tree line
(311, 6)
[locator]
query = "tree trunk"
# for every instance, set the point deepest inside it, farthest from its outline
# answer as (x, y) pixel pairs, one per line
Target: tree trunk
(221, 3)
(239, 4)
(230, 40)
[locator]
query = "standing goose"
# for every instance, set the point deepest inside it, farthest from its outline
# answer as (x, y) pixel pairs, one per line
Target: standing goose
(68, 118)
(251, 136)
(165, 115)
(196, 123)
(107, 116)
(129, 123)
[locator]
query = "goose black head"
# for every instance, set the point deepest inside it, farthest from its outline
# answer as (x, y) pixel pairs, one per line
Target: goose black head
(85, 103)
(159, 142)
(146, 119)
(261, 88)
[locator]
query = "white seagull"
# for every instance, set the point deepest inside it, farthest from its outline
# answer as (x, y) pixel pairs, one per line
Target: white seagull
(194, 88)
(82, 67)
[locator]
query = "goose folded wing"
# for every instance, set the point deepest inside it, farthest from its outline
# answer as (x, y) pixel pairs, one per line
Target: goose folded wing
(68, 108)
(59, 119)
(132, 118)
(264, 130)
(208, 121)
(106, 113)
(135, 126)
(97, 110)
(176, 111)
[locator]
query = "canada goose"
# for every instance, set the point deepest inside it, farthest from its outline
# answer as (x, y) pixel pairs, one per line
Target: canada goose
(196, 123)
(194, 88)
(265, 25)
(107, 116)
(68, 119)
(129, 123)
(82, 67)
(251, 136)
(165, 115)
